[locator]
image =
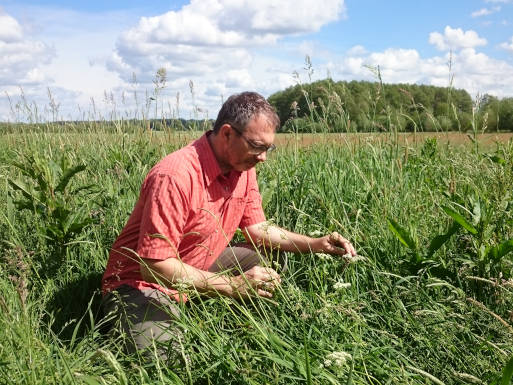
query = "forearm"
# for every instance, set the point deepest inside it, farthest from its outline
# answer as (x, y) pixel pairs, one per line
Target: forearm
(265, 234)
(172, 271)
(276, 237)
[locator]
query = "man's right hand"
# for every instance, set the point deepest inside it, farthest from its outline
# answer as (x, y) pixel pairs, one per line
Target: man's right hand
(260, 280)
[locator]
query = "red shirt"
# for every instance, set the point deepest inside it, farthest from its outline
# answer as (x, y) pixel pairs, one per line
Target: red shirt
(186, 208)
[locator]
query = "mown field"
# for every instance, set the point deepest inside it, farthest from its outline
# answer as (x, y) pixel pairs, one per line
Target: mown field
(430, 302)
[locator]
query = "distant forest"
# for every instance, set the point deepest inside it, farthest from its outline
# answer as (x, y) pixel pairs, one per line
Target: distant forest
(359, 106)
(329, 106)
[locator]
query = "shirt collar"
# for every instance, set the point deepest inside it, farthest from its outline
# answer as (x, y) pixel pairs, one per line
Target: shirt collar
(208, 160)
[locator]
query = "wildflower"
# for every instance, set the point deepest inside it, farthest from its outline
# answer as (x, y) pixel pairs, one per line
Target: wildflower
(183, 284)
(353, 258)
(336, 359)
(324, 256)
(315, 233)
(341, 285)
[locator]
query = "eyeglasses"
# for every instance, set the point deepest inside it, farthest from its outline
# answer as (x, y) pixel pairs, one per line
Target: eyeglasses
(255, 149)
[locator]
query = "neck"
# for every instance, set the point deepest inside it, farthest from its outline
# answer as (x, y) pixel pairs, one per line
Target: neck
(218, 151)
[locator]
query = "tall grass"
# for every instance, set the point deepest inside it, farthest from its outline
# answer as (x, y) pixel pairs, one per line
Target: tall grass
(441, 318)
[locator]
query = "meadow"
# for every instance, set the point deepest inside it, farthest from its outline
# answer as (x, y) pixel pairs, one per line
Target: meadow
(429, 302)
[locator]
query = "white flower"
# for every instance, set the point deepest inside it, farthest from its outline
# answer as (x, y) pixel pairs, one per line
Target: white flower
(327, 363)
(183, 284)
(324, 256)
(337, 359)
(341, 285)
(353, 258)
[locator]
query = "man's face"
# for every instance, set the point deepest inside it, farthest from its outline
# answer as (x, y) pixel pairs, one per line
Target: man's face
(245, 149)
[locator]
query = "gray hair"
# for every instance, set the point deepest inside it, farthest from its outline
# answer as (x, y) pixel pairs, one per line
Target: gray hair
(239, 109)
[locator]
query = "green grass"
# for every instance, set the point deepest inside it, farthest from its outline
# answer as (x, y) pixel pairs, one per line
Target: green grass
(441, 319)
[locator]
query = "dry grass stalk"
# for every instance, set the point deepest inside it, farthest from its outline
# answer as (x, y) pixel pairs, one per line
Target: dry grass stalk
(494, 315)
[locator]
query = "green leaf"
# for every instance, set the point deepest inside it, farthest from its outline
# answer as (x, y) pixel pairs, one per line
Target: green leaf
(507, 373)
(279, 360)
(402, 234)
(89, 380)
(68, 174)
(497, 159)
(25, 190)
(460, 219)
(499, 251)
(439, 240)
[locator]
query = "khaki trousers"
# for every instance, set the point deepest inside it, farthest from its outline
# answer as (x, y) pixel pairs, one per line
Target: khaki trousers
(147, 318)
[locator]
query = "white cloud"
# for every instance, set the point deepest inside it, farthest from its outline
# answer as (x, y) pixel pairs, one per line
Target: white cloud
(455, 39)
(357, 50)
(10, 29)
(397, 59)
(508, 45)
(61, 49)
(21, 58)
(212, 36)
(485, 11)
(472, 70)
(214, 43)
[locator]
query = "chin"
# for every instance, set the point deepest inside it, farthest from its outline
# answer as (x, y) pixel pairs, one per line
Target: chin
(245, 167)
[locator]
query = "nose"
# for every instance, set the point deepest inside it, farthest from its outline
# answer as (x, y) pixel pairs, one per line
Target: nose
(262, 156)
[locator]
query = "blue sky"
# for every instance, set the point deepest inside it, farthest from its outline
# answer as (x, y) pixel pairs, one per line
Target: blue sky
(100, 57)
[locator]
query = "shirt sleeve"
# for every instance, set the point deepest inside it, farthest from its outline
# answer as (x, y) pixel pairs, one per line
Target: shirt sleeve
(163, 218)
(253, 211)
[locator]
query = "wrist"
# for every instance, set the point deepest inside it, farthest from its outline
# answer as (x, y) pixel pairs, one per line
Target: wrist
(316, 245)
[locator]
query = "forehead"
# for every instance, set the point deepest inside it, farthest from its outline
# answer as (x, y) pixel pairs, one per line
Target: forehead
(260, 125)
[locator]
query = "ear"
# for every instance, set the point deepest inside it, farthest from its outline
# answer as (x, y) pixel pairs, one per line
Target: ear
(225, 132)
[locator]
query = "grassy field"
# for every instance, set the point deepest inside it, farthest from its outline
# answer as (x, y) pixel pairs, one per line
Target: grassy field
(430, 302)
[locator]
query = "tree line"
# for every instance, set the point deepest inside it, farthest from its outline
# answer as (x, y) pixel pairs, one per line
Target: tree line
(361, 106)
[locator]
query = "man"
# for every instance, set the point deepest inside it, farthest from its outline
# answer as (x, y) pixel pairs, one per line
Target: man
(190, 205)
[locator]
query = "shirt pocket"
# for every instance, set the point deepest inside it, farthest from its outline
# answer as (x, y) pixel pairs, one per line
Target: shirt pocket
(203, 223)
(232, 215)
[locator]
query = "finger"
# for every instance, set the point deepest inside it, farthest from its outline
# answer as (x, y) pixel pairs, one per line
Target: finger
(267, 274)
(347, 247)
(273, 275)
(268, 285)
(335, 238)
(350, 248)
(263, 293)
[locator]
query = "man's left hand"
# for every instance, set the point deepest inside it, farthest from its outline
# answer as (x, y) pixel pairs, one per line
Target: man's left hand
(336, 244)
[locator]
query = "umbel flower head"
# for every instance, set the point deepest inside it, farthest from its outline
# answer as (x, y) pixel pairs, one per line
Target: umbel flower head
(336, 359)
(340, 285)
